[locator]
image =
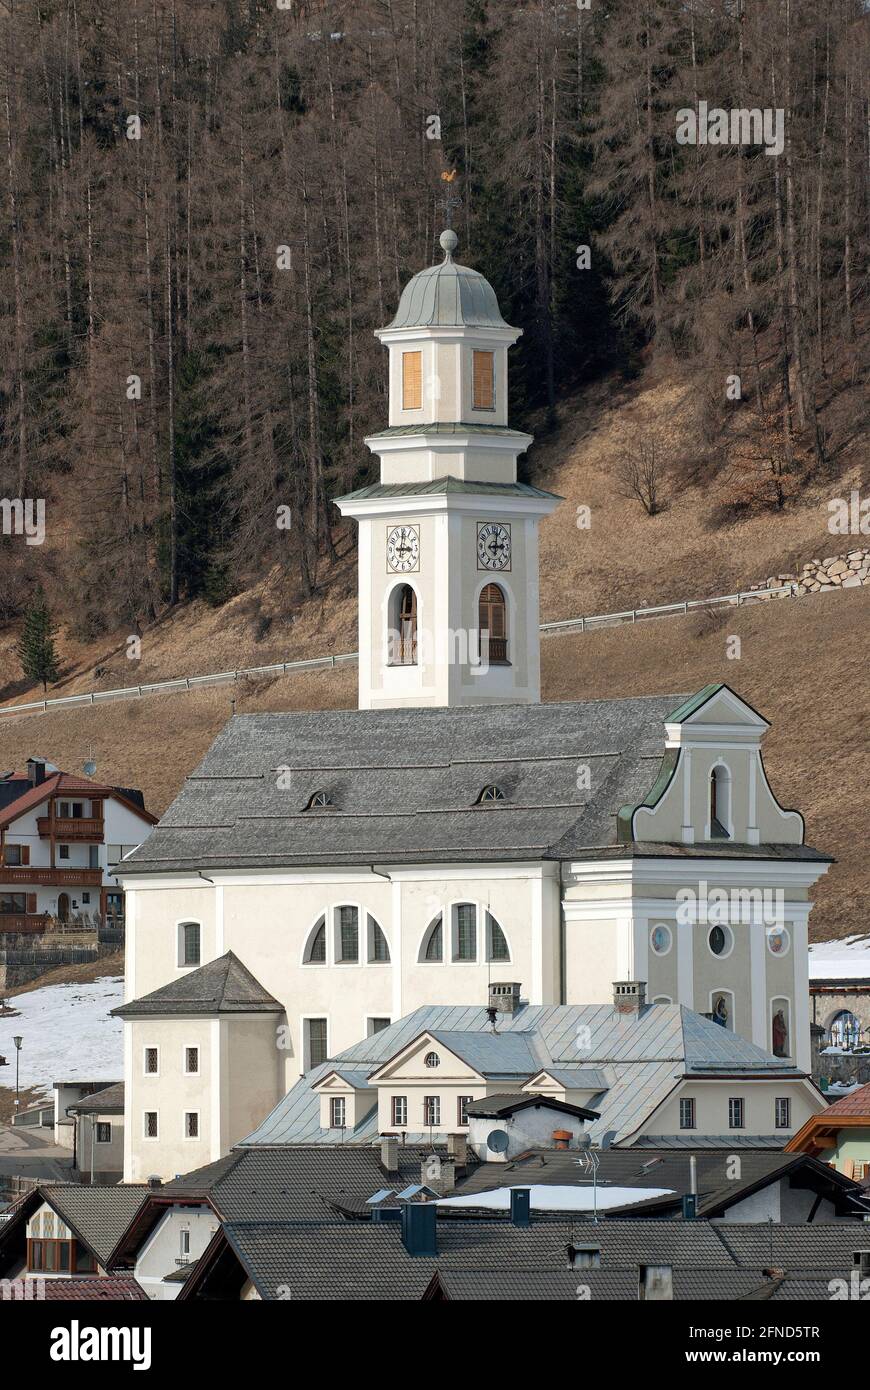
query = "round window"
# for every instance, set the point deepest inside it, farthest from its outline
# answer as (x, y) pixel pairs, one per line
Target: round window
(660, 939)
(777, 941)
(719, 940)
(432, 1060)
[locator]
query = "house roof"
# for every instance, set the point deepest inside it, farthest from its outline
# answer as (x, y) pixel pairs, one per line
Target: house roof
(79, 1290)
(855, 1103)
(362, 1261)
(850, 1112)
(404, 787)
(97, 1216)
(646, 1059)
(222, 986)
(108, 1101)
(58, 783)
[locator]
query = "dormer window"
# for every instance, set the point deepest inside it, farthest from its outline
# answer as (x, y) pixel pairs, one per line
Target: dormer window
(490, 793)
(318, 800)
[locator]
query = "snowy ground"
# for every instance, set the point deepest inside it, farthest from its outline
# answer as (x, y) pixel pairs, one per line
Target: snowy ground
(554, 1198)
(848, 959)
(67, 1034)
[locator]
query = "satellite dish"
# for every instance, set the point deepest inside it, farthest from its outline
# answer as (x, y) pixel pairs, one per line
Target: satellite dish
(90, 767)
(497, 1141)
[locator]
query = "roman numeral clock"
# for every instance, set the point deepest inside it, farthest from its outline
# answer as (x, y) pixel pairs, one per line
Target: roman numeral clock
(493, 545)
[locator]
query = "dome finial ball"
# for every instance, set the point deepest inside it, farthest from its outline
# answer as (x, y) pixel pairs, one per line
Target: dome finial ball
(449, 241)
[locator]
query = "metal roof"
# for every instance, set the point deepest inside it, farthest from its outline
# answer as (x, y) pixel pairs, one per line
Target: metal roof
(448, 295)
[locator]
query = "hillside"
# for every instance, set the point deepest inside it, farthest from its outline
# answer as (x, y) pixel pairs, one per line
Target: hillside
(802, 664)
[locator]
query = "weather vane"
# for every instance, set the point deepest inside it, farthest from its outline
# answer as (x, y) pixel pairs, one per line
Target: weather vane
(452, 199)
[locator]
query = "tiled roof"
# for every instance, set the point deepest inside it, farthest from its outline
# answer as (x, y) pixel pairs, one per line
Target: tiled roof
(79, 1290)
(222, 986)
(855, 1103)
(108, 1101)
(59, 782)
(98, 1215)
(298, 1183)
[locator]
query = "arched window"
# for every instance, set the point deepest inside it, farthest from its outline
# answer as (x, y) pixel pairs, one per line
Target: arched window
(318, 800)
(496, 945)
(378, 950)
(433, 942)
(845, 1030)
(315, 947)
(720, 803)
(403, 626)
(490, 793)
(347, 935)
(492, 621)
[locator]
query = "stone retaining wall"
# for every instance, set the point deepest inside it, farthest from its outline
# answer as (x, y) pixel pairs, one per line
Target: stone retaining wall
(847, 571)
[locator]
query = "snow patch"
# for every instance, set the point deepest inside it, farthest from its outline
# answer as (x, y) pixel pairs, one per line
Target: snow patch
(68, 1035)
(545, 1197)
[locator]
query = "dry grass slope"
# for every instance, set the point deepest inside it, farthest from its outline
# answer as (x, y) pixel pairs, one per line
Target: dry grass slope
(802, 664)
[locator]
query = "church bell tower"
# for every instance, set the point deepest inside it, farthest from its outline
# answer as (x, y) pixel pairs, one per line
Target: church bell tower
(448, 539)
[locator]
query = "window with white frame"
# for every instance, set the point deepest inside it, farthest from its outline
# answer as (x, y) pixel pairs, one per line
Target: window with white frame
(102, 1132)
(152, 1061)
(347, 935)
(462, 1104)
(720, 803)
(191, 1061)
(191, 1124)
(736, 1110)
(464, 932)
(782, 1107)
(184, 1242)
(376, 1025)
(687, 1112)
(377, 950)
(337, 1112)
(149, 1124)
(432, 1110)
(399, 1105)
(189, 944)
(315, 1045)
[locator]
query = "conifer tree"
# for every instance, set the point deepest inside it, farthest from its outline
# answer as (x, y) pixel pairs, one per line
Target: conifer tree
(36, 646)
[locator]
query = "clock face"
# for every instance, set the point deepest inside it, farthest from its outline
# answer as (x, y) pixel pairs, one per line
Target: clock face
(493, 545)
(403, 549)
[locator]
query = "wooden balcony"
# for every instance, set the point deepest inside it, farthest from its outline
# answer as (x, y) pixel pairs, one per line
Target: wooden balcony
(39, 876)
(21, 923)
(87, 829)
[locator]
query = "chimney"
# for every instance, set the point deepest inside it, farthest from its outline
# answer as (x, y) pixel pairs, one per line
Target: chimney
(438, 1173)
(690, 1206)
(521, 1206)
(457, 1149)
(390, 1154)
(505, 998)
(629, 997)
(418, 1229)
(35, 771)
(561, 1138)
(155, 1181)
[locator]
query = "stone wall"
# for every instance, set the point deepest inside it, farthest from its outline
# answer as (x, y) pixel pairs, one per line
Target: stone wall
(847, 571)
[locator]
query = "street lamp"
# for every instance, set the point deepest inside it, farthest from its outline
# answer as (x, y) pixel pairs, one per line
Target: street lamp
(17, 1041)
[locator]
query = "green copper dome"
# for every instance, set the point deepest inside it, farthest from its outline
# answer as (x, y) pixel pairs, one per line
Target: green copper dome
(448, 296)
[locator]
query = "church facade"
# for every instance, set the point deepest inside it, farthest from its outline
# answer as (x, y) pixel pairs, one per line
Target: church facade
(321, 875)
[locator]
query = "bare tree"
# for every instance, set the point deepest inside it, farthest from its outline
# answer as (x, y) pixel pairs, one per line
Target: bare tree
(642, 473)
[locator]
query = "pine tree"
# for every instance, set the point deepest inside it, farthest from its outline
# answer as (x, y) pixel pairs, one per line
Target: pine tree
(36, 646)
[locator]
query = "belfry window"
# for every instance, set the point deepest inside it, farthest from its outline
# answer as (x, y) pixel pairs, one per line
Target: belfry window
(412, 380)
(403, 626)
(483, 383)
(492, 621)
(720, 803)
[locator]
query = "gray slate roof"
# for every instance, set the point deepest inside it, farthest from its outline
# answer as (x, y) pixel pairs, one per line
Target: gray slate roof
(446, 486)
(646, 1057)
(404, 783)
(109, 1101)
(222, 986)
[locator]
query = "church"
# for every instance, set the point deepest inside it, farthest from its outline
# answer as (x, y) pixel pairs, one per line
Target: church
(321, 876)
